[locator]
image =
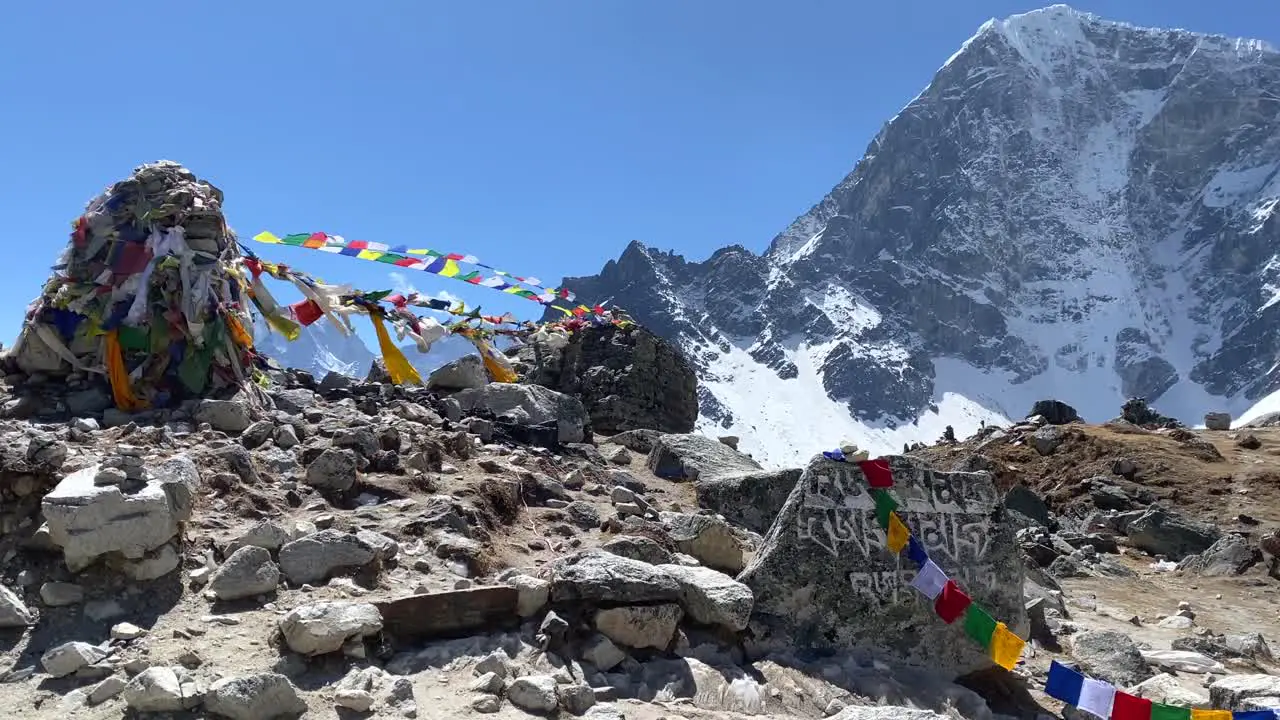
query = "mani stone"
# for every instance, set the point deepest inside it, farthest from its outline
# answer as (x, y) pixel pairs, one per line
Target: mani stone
(825, 581)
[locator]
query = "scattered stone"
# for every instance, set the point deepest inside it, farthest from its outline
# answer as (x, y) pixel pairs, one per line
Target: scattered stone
(1110, 656)
(575, 698)
(1047, 439)
(229, 416)
(1248, 441)
(126, 631)
(535, 693)
(105, 690)
(601, 652)
(640, 626)
(13, 612)
(248, 572)
(1163, 532)
(691, 457)
(711, 597)
(1217, 421)
(462, 374)
(162, 689)
(749, 500)
(254, 697)
(1054, 412)
(707, 538)
(318, 556)
(643, 549)
(1230, 555)
(324, 627)
(333, 470)
(1233, 690)
(70, 657)
(598, 577)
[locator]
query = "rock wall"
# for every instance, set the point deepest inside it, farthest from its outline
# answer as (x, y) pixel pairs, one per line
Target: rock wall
(627, 379)
(824, 580)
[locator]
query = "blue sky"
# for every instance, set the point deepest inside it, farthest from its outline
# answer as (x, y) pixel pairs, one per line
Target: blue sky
(539, 136)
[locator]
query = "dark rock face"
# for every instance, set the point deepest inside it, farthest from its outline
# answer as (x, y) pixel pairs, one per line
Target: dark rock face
(1054, 160)
(824, 579)
(627, 379)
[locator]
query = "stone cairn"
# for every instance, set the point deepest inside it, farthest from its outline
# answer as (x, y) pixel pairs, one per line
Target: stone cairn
(144, 307)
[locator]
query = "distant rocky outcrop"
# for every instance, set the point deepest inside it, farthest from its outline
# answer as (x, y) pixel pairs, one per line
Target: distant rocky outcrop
(628, 378)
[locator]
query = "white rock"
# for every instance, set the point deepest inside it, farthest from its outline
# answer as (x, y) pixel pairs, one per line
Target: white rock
(126, 631)
(254, 697)
(640, 626)
(531, 594)
(324, 627)
(535, 693)
(106, 690)
(88, 521)
(161, 689)
(70, 657)
(248, 572)
(711, 597)
(13, 612)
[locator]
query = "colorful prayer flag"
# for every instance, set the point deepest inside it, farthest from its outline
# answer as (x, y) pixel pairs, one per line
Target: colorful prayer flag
(1169, 712)
(979, 625)
(1063, 683)
(1006, 647)
(1130, 707)
(952, 602)
(1097, 697)
(1197, 714)
(877, 472)
(898, 534)
(916, 553)
(930, 580)
(885, 505)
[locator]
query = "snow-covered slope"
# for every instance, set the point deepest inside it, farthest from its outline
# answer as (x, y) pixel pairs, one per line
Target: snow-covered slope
(322, 349)
(1073, 208)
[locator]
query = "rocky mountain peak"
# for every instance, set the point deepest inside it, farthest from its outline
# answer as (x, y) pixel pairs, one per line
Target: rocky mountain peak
(1071, 202)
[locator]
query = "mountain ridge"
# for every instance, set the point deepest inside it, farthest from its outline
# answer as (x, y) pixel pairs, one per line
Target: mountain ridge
(1070, 202)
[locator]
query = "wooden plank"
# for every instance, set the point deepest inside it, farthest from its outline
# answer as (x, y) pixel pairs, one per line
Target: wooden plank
(450, 613)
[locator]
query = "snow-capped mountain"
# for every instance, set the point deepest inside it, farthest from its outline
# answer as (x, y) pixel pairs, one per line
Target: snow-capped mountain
(321, 349)
(1073, 208)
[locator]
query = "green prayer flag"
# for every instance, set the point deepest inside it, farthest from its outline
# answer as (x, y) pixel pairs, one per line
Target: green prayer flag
(885, 504)
(979, 625)
(1169, 712)
(132, 338)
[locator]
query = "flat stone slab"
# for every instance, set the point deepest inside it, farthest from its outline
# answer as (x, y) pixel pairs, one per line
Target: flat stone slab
(450, 613)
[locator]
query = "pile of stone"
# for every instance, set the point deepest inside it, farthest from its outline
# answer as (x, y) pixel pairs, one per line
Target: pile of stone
(143, 307)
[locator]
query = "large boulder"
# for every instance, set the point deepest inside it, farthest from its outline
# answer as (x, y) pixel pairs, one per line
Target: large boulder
(1163, 532)
(824, 580)
(1230, 555)
(696, 457)
(747, 499)
(88, 521)
(529, 405)
(627, 379)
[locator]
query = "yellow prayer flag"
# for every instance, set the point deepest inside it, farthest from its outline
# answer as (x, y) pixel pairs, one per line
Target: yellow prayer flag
(898, 533)
(266, 237)
(370, 254)
(450, 269)
(398, 366)
(1210, 714)
(1006, 647)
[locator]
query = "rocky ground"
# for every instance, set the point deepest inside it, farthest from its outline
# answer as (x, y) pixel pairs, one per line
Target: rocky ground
(349, 549)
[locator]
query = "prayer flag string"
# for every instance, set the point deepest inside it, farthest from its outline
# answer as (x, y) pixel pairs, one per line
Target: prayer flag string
(953, 605)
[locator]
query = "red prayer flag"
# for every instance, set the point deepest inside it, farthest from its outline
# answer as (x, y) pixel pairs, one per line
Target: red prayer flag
(358, 244)
(1128, 707)
(306, 312)
(877, 472)
(951, 602)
